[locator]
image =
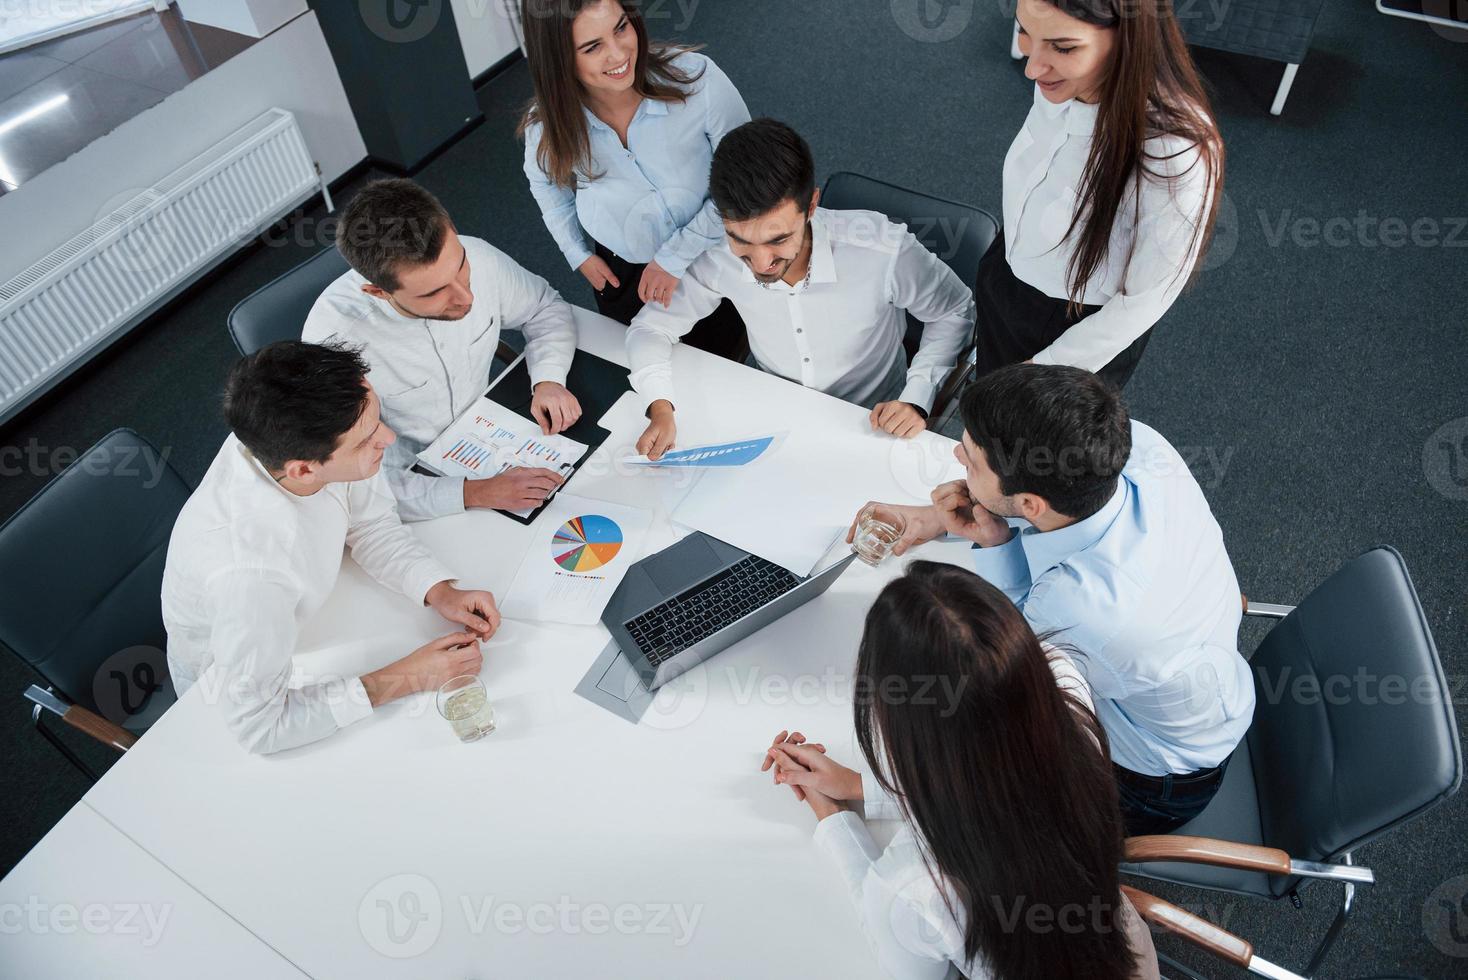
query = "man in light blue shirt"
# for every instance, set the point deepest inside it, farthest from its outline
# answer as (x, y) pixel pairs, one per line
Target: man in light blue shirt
(1094, 526)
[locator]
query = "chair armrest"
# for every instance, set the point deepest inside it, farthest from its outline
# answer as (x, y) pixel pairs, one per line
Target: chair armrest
(506, 353)
(1195, 929)
(1245, 857)
(83, 720)
(1265, 610)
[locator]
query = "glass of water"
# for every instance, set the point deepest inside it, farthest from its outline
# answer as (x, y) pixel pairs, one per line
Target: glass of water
(878, 529)
(464, 702)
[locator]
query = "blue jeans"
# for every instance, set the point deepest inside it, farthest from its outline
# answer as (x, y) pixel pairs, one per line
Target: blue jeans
(1162, 804)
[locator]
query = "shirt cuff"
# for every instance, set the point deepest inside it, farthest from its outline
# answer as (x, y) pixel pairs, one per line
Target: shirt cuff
(424, 576)
(447, 496)
(673, 264)
(352, 704)
(577, 255)
(876, 803)
(845, 839)
(919, 393)
(540, 373)
(656, 390)
(1003, 566)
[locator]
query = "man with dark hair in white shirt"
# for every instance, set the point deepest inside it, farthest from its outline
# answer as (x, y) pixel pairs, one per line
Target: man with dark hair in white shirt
(1095, 528)
(427, 305)
(256, 551)
(824, 294)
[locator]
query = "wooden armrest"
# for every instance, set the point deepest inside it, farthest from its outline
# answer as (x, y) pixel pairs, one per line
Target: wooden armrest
(1205, 850)
(99, 728)
(1195, 929)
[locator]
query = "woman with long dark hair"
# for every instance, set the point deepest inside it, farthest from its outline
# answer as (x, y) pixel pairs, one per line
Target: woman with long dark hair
(1111, 189)
(618, 143)
(1006, 863)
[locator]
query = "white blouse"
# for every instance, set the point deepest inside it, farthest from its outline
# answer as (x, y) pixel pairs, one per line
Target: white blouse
(902, 911)
(1042, 173)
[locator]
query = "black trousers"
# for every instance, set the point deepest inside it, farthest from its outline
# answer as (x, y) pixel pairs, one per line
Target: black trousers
(1016, 321)
(721, 332)
(1162, 804)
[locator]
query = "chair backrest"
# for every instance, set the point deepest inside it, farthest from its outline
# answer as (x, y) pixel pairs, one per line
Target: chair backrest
(959, 234)
(1353, 729)
(277, 310)
(83, 564)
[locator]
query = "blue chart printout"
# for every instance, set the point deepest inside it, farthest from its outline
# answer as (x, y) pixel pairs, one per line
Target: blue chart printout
(725, 454)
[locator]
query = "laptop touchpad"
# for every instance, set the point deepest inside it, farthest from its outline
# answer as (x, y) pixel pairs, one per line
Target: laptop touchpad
(683, 565)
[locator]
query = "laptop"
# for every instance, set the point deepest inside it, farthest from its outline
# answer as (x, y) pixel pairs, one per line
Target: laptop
(677, 608)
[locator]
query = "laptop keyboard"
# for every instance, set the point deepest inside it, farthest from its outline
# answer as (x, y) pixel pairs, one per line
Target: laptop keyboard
(667, 630)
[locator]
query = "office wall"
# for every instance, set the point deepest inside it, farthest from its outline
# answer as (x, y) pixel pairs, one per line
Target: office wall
(486, 31)
(291, 68)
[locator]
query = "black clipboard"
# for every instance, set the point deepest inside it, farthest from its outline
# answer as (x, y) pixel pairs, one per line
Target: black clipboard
(597, 384)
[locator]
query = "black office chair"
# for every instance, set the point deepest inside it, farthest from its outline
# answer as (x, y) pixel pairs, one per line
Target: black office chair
(277, 310)
(1327, 766)
(959, 234)
(84, 570)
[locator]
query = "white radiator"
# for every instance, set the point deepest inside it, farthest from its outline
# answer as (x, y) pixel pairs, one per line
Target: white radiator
(143, 250)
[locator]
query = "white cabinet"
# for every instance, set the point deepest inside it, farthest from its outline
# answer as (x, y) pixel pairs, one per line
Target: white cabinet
(489, 31)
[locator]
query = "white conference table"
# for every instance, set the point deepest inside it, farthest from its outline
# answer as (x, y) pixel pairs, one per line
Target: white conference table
(569, 842)
(88, 902)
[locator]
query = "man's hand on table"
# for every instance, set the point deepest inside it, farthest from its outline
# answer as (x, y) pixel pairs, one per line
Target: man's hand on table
(426, 668)
(517, 488)
(661, 430)
(472, 609)
(554, 407)
(901, 419)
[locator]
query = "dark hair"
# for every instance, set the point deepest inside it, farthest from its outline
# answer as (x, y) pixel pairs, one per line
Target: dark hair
(1005, 776)
(390, 224)
(560, 101)
(293, 400)
(1151, 88)
(1061, 433)
(760, 166)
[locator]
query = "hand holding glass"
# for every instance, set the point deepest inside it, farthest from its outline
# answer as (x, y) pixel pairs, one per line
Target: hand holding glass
(878, 529)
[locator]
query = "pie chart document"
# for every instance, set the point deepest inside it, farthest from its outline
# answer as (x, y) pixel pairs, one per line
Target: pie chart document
(580, 551)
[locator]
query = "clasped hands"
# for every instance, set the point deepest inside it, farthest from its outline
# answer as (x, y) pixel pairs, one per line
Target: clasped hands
(824, 784)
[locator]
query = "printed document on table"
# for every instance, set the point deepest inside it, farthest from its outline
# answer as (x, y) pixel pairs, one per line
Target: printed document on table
(578, 556)
(489, 439)
(740, 453)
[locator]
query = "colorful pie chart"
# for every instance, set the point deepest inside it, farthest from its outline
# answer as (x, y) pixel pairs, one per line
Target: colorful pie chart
(584, 544)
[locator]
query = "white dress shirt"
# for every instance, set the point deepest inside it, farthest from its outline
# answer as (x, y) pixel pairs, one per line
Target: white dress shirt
(650, 200)
(902, 909)
(839, 330)
(427, 372)
(248, 563)
(1144, 591)
(1042, 173)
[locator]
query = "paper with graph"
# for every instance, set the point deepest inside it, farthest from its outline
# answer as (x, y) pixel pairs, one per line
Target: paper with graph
(489, 439)
(579, 554)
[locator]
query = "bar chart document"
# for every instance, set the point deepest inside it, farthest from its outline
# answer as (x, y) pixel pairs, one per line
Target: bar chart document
(489, 439)
(577, 558)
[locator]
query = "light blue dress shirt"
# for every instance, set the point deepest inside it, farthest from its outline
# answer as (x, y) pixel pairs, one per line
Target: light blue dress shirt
(1143, 593)
(650, 202)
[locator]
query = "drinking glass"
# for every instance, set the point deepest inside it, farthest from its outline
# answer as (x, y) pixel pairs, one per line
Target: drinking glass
(465, 703)
(878, 529)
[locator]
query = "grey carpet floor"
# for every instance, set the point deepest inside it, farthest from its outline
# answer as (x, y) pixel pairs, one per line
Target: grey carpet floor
(1321, 386)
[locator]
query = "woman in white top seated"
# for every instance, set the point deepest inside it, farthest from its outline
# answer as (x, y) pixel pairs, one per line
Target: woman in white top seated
(1111, 189)
(983, 742)
(618, 144)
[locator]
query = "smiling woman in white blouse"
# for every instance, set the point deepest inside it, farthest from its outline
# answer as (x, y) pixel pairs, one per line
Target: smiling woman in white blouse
(618, 143)
(1111, 189)
(984, 744)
